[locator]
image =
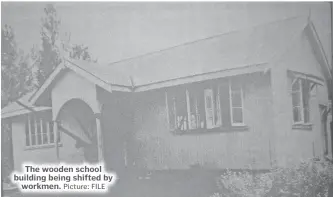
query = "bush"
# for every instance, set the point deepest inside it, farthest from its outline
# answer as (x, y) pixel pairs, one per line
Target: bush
(311, 178)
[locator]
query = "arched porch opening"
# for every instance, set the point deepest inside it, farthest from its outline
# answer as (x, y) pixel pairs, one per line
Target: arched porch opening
(77, 120)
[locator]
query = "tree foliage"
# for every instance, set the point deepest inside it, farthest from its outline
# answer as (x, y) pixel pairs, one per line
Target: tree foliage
(81, 52)
(16, 75)
(16, 80)
(49, 56)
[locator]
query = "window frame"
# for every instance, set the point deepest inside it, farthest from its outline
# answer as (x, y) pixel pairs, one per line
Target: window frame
(39, 121)
(188, 109)
(214, 103)
(300, 91)
(301, 84)
(217, 109)
(233, 123)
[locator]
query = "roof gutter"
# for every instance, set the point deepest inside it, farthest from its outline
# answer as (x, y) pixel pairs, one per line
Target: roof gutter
(262, 67)
(23, 111)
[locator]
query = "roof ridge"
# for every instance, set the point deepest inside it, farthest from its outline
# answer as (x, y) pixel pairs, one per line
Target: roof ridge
(202, 39)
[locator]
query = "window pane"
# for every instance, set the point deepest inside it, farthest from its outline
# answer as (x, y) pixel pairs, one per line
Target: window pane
(225, 104)
(182, 122)
(209, 119)
(235, 87)
(181, 110)
(194, 113)
(45, 137)
(306, 115)
(27, 135)
(33, 139)
(201, 109)
(193, 121)
(236, 99)
(181, 103)
(33, 131)
(237, 114)
(208, 101)
(297, 114)
(217, 108)
(172, 118)
(296, 86)
(209, 108)
(51, 132)
(306, 97)
(296, 99)
(39, 132)
(59, 137)
(172, 112)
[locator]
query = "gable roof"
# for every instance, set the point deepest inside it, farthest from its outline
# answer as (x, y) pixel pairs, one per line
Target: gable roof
(232, 53)
(25, 107)
(89, 70)
(101, 72)
(220, 55)
(319, 51)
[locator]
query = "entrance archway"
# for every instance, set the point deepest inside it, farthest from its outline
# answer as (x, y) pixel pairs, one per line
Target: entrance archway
(78, 121)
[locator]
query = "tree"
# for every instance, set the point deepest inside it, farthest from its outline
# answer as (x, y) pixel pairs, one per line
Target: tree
(49, 56)
(81, 52)
(76, 51)
(16, 76)
(16, 79)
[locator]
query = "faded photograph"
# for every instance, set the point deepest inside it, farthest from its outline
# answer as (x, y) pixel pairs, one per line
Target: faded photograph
(214, 99)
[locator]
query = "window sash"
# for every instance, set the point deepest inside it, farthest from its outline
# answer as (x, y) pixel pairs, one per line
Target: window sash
(217, 107)
(29, 131)
(212, 108)
(300, 101)
(39, 132)
(209, 108)
(306, 89)
(233, 92)
(192, 110)
(304, 111)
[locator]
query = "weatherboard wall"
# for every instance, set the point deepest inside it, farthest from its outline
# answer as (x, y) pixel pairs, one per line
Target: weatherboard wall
(158, 148)
(295, 144)
(39, 155)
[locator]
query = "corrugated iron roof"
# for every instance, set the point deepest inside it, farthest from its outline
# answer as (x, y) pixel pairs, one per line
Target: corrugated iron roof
(237, 49)
(14, 109)
(255, 45)
(251, 46)
(103, 72)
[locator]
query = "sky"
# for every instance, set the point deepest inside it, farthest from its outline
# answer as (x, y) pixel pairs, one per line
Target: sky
(115, 31)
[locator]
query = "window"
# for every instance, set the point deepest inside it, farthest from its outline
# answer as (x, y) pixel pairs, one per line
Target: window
(185, 109)
(236, 104)
(38, 132)
(194, 117)
(300, 100)
(205, 106)
(212, 108)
